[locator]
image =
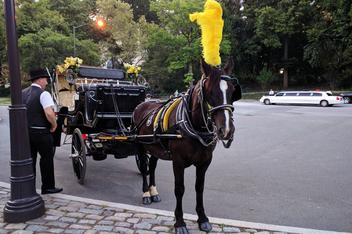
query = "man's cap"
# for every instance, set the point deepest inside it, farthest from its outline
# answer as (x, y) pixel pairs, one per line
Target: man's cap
(38, 73)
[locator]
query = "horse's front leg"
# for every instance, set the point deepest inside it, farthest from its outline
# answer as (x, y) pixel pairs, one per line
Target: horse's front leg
(180, 225)
(152, 186)
(144, 170)
(203, 221)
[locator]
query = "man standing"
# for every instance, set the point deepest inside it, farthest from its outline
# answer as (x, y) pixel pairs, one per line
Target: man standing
(41, 123)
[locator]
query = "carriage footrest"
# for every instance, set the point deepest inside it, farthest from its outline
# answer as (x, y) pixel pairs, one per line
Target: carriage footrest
(134, 137)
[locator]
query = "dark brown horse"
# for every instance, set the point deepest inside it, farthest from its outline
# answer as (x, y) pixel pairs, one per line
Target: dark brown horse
(202, 117)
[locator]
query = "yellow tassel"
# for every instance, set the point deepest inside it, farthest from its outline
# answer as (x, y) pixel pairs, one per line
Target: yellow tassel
(211, 23)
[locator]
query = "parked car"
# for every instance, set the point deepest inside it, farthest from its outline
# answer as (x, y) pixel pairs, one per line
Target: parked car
(347, 97)
(322, 98)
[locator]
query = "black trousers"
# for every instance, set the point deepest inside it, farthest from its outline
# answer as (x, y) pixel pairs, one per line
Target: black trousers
(41, 141)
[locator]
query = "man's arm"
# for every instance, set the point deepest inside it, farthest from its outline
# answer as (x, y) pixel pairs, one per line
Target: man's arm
(47, 102)
(50, 116)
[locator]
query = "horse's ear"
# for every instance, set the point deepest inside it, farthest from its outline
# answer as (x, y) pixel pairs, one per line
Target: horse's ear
(205, 68)
(229, 66)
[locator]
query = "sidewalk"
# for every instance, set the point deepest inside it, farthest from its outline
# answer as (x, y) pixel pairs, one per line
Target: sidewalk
(69, 214)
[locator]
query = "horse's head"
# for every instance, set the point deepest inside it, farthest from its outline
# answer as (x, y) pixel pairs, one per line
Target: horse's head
(220, 90)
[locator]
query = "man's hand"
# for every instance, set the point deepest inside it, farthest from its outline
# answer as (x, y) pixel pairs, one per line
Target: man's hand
(52, 129)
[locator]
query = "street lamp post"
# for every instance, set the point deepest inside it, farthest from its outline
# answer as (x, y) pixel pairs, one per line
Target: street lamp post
(24, 203)
(74, 37)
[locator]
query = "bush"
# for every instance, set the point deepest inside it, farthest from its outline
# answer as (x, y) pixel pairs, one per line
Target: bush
(265, 78)
(4, 92)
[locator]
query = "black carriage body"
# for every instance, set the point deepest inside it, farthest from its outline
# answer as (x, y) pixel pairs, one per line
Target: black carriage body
(102, 103)
(100, 107)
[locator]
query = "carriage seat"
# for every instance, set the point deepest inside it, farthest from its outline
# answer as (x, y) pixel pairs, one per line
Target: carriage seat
(65, 93)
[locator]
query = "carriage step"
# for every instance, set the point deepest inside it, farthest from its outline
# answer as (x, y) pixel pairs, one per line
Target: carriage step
(73, 155)
(134, 137)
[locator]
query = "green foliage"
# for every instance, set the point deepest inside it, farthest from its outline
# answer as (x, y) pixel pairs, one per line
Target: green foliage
(35, 16)
(47, 49)
(265, 77)
(188, 79)
(2, 35)
(330, 40)
(317, 35)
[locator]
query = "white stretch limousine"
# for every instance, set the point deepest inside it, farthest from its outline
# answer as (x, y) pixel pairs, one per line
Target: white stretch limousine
(322, 98)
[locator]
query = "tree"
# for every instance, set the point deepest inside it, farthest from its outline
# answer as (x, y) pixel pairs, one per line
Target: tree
(34, 16)
(2, 44)
(45, 37)
(126, 34)
(330, 41)
(47, 49)
(179, 39)
(141, 8)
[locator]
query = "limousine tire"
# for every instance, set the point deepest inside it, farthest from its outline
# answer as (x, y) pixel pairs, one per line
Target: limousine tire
(267, 102)
(324, 103)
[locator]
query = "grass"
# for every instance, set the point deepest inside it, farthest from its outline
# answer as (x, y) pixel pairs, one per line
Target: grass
(253, 95)
(5, 101)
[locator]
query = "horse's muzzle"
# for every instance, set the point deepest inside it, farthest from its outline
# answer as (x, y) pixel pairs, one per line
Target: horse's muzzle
(224, 134)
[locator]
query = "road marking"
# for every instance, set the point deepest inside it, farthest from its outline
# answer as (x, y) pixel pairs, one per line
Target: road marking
(230, 222)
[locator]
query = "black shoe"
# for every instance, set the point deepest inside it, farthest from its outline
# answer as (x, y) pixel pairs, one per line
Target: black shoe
(52, 190)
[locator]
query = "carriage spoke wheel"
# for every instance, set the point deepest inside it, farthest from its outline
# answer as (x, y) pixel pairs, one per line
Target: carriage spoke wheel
(138, 162)
(79, 161)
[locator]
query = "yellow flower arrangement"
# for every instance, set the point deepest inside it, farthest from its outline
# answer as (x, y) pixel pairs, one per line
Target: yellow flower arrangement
(132, 69)
(70, 63)
(211, 24)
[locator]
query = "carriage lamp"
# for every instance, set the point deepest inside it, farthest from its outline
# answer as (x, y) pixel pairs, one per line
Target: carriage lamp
(282, 70)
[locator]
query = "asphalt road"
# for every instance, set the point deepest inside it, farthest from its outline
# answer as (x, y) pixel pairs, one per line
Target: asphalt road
(288, 165)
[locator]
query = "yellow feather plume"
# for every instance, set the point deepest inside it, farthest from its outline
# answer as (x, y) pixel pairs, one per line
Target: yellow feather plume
(211, 24)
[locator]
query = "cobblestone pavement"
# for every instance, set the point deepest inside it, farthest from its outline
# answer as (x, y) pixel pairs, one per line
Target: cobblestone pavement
(68, 214)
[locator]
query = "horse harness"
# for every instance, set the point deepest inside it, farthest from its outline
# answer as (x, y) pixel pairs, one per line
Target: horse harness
(206, 136)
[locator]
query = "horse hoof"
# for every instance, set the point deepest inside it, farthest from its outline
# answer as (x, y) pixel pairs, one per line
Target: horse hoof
(156, 198)
(147, 201)
(181, 230)
(205, 227)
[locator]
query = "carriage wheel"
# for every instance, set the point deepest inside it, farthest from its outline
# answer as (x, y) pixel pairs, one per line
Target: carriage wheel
(138, 161)
(78, 150)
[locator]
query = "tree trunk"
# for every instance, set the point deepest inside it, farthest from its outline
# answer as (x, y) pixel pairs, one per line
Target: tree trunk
(285, 84)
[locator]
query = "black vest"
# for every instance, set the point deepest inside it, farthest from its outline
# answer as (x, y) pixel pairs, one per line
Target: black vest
(35, 112)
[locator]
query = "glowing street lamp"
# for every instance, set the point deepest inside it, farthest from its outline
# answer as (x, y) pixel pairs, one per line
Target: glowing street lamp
(100, 24)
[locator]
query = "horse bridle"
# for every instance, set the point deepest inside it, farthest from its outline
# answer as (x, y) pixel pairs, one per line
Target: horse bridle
(211, 110)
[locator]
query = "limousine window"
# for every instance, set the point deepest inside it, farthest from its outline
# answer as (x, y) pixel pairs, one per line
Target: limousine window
(317, 94)
(291, 94)
(279, 94)
(304, 94)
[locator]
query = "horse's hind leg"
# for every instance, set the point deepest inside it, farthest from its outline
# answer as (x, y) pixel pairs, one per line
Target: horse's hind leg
(152, 187)
(180, 225)
(144, 169)
(203, 221)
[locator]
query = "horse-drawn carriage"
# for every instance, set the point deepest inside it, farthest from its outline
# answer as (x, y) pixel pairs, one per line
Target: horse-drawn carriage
(104, 114)
(94, 111)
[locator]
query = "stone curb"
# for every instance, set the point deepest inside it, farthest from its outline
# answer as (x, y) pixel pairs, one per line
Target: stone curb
(71, 214)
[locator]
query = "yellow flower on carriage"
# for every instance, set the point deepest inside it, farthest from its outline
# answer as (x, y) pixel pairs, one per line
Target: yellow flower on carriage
(70, 62)
(211, 24)
(132, 69)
